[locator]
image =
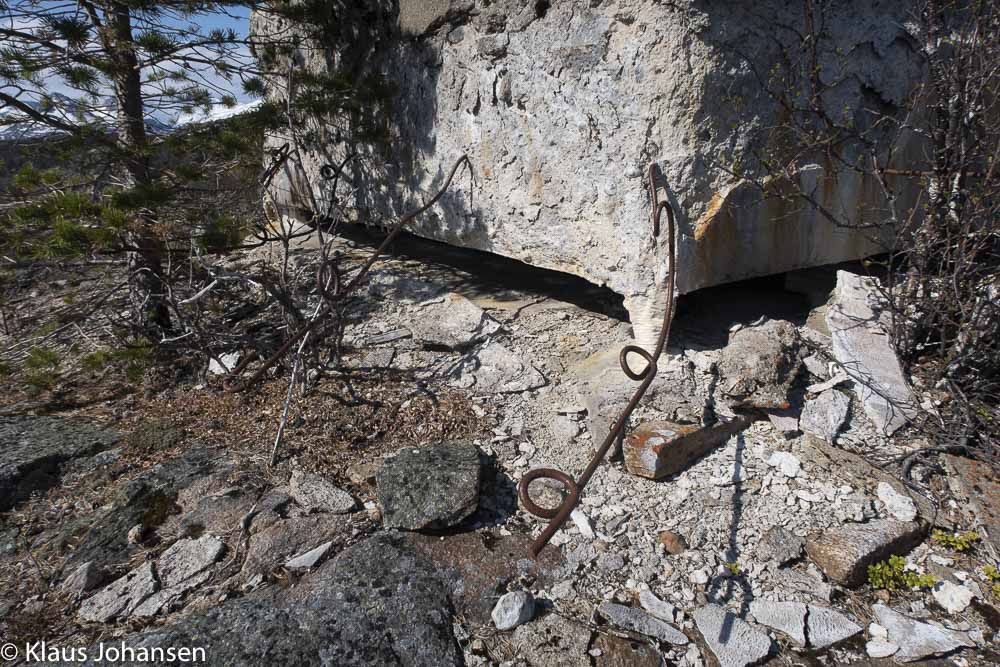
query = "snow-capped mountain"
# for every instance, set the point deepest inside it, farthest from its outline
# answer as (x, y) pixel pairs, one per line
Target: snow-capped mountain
(16, 125)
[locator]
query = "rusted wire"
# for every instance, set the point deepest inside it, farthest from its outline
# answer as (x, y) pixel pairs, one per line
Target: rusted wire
(574, 488)
(332, 294)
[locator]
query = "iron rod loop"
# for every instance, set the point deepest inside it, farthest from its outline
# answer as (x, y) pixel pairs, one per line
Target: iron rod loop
(574, 488)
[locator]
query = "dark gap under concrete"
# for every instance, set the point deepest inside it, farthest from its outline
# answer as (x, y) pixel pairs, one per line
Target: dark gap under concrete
(703, 317)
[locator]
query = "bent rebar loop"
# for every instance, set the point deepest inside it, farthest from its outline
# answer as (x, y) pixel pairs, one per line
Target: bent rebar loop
(574, 488)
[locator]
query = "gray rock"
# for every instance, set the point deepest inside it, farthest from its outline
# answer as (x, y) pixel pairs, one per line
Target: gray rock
(187, 558)
(121, 597)
(452, 322)
(275, 543)
(558, 185)
(733, 641)
(148, 500)
(845, 553)
(611, 561)
(825, 415)
(493, 369)
(35, 449)
(760, 363)
(900, 506)
(309, 559)
(84, 579)
(779, 546)
(636, 620)
(917, 640)
(657, 607)
(377, 603)
(786, 617)
(862, 346)
(181, 568)
(314, 492)
(553, 641)
(513, 609)
(826, 626)
(434, 486)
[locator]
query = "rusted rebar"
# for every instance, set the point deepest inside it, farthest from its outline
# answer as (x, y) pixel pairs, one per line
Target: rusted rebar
(574, 488)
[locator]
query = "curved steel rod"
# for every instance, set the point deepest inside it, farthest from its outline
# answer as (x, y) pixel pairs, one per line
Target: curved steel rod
(574, 488)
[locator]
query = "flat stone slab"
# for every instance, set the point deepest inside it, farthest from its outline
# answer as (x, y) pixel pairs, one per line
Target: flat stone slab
(862, 346)
(314, 492)
(845, 553)
(429, 487)
(33, 448)
(452, 322)
(733, 641)
(917, 640)
(121, 597)
(660, 449)
(636, 620)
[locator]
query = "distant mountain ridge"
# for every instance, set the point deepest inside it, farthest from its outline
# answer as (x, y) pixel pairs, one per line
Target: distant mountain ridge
(15, 125)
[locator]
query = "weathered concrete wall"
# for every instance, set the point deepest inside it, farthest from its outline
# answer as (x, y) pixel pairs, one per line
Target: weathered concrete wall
(561, 106)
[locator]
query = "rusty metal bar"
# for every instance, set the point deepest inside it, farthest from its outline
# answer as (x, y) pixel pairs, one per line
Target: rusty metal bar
(574, 488)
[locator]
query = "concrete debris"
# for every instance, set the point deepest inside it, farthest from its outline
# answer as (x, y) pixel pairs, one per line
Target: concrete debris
(452, 322)
(824, 415)
(660, 449)
(787, 463)
(862, 346)
(582, 522)
(309, 559)
(916, 639)
(953, 598)
(826, 626)
(494, 369)
(636, 620)
(314, 492)
(513, 609)
(224, 364)
(845, 553)
(433, 486)
(657, 607)
(786, 617)
(733, 641)
(760, 363)
(901, 507)
(840, 378)
(880, 648)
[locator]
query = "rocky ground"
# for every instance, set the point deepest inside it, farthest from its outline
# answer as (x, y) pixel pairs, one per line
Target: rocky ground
(736, 527)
